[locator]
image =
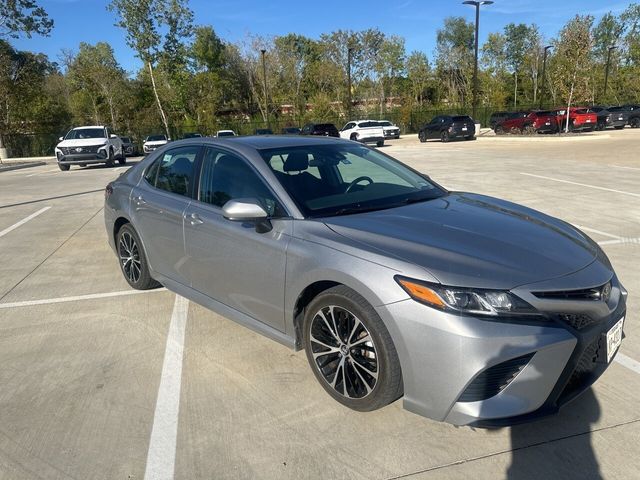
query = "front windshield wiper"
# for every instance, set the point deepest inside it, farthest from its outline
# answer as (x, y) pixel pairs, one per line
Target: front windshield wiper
(360, 209)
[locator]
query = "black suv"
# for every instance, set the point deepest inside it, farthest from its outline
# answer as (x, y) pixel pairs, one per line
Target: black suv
(321, 129)
(634, 114)
(447, 127)
(497, 118)
(615, 117)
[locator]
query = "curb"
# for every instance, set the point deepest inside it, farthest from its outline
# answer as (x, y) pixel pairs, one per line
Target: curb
(9, 168)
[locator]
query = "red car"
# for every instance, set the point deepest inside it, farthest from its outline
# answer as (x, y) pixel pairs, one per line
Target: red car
(540, 121)
(579, 119)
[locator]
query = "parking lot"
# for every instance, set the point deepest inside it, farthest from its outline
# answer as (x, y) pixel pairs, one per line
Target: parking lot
(99, 381)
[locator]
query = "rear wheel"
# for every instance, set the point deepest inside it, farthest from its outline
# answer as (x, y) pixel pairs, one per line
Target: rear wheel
(634, 122)
(380, 143)
(354, 137)
(601, 126)
(422, 136)
(444, 137)
(64, 168)
(133, 261)
(350, 350)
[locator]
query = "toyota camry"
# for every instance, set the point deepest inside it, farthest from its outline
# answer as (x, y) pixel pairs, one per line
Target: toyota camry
(472, 309)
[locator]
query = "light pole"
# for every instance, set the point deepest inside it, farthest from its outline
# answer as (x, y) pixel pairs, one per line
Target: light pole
(266, 96)
(606, 72)
(349, 51)
(475, 64)
(544, 73)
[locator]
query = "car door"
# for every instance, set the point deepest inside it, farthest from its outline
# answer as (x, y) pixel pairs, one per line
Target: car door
(432, 127)
(158, 204)
(230, 261)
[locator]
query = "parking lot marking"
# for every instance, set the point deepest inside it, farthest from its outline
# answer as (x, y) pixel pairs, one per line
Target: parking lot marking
(599, 232)
(626, 241)
(23, 221)
(628, 362)
(164, 432)
(582, 184)
(91, 296)
(628, 168)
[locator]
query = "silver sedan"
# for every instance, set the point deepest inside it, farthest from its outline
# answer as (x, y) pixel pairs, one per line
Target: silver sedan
(472, 309)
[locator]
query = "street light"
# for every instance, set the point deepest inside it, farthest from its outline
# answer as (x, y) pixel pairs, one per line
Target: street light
(544, 73)
(475, 65)
(606, 73)
(264, 79)
(349, 51)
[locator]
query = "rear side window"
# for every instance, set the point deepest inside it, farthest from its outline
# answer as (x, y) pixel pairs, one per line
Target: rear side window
(174, 171)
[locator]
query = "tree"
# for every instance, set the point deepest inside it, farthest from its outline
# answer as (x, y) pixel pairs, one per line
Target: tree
(155, 29)
(23, 17)
(207, 49)
(455, 58)
(418, 74)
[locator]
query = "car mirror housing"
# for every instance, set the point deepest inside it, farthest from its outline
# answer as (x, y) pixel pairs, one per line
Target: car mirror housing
(247, 210)
(113, 136)
(60, 139)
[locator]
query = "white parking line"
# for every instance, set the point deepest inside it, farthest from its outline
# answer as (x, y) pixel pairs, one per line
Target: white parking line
(628, 362)
(628, 168)
(582, 184)
(162, 446)
(91, 296)
(599, 232)
(23, 221)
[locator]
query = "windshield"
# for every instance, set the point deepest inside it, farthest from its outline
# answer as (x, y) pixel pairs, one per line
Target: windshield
(85, 133)
(327, 180)
(156, 138)
(226, 133)
(384, 124)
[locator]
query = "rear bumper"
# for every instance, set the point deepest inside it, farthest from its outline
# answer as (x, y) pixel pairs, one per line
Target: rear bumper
(375, 139)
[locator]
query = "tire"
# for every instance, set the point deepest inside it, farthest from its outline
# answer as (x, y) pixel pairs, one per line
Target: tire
(634, 122)
(110, 161)
(619, 127)
(122, 160)
(64, 168)
(499, 130)
(601, 126)
(132, 259)
(380, 143)
(354, 137)
(83, 165)
(444, 137)
(422, 136)
(470, 138)
(371, 373)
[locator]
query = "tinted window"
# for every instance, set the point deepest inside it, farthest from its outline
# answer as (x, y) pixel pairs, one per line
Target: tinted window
(156, 138)
(175, 170)
(368, 124)
(227, 177)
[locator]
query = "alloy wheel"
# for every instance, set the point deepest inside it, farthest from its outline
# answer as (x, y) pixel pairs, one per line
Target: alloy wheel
(129, 257)
(344, 352)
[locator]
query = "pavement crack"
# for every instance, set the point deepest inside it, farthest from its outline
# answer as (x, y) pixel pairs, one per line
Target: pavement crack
(51, 254)
(502, 452)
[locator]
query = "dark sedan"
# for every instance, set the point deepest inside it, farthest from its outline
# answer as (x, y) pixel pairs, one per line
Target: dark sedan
(448, 127)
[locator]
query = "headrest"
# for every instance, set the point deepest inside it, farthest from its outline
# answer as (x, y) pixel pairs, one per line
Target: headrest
(296, 162)
(183, 166)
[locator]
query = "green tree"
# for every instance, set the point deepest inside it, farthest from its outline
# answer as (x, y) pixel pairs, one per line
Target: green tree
(155, 29)
(454, 58)
(418, 75)
(23, 17)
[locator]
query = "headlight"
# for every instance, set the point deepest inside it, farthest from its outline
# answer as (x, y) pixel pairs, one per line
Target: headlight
(465, 300)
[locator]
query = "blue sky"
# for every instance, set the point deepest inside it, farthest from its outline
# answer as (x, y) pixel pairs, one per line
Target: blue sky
(415, 20)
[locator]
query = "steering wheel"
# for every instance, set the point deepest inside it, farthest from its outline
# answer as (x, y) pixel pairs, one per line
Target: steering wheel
(356, 181)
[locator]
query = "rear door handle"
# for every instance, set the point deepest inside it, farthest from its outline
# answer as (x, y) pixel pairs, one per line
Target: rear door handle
(194, 219)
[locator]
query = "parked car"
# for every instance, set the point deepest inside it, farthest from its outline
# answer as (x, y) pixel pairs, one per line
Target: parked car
(634, 114)
(580, 119)
(473, 309)
(614, 117)
(153, 142)
(89, 145)
(320, 129)
(496, 118)
(225, 133)
(130, 149)
(448, 127)
(364, 131)
(263, 131)
(291, 131)
(536, 121)
(390, 130)
(192, 135)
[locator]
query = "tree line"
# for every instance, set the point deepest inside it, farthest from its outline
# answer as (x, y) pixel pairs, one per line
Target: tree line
(192, 80)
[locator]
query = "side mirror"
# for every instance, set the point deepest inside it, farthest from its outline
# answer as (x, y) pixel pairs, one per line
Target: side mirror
(169, 139)
(60, 139)
(113, 135)
(247, 210)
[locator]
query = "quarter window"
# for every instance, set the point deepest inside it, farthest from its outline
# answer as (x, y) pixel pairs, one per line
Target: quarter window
(173, 172)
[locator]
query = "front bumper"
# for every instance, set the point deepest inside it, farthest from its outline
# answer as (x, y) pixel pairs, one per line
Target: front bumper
(443, 354)
(82, 158)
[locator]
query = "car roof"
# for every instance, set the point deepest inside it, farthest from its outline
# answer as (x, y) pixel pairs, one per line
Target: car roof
(260, 142)
(88, 126)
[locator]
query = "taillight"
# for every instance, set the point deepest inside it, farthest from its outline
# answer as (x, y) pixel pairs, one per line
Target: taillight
(108, 190)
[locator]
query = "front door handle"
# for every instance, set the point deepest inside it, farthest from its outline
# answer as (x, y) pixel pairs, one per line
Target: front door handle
(140, 200)
(195, 219)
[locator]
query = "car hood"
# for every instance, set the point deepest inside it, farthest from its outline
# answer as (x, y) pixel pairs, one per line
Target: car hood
(82, 142)
(473, 240)
(156, 143)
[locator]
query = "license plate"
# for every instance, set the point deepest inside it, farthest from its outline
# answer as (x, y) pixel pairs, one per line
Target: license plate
(548, 123)
(588, 121)
(620, 118)
(464, 129)
(614, 339)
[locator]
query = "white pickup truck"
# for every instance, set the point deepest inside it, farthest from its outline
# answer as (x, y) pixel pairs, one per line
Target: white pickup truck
(86, 145)
(364, 131)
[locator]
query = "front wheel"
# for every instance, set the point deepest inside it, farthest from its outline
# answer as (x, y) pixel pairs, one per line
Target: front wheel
(133, 261)
(350, 350)
(422, 136)
(110, 162)
(634, 123)
(122, 160)
(380, 143)
(64, 168)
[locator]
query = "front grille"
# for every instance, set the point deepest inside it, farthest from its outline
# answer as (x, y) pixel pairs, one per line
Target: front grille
(74, 150)
(578, 321)
(582, 294)
(494, 379)
(585, 368)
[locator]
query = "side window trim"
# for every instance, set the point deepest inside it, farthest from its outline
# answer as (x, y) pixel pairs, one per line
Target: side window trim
(156, 164)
